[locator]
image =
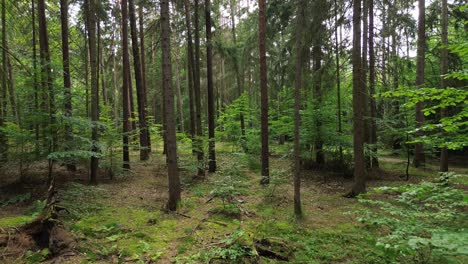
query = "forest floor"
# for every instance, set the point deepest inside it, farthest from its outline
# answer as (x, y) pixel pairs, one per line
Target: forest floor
(224, 216)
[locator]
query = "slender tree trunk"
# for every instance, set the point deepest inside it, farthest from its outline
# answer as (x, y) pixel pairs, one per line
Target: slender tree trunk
(264, 91)
(86, 69)
(443, 72)
(338, 79)
(125, 86)
(143, 69)
(173, 176)
(236, 68)
(90, 7)
(11, 92)
(3, 140)
(210, 99)
(419, 158)
(36, 87)
(144, 153)
(67, 102)
(359, 185)
(317, 67)
(194, 61)
(297, 102)
(102, 67)
(373, 108)
(180, 109)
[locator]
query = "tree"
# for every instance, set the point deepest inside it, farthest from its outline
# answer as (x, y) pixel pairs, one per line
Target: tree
(36, 87)
(3, 140)
(210, 99)
(302, 5)
(373, 108)
(125, 85)
(197, 93)
(359, 185)
(144, 152)
(66, 79)
(263, 91)
(92, 21)
(419, 157)
(171, 151)
(443, 72)
(338, 79)
(143, 67)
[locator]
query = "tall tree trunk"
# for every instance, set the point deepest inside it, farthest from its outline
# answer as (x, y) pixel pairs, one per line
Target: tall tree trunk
(317, 67)
(86, 69)
(92, 21)
(194, 62)
(373, 108)
(240, 89)
(297, 102)
(210, 99)
(365, 42)
(419, 158)
(47, 71)
(67, 102)
(3, 140)
(36, 87)
(144, 153)
(11, 92)
(359, 185)
(102, 66)
(443, 72)
(125, 86)
(173, 176)
(338, 79)
(180, 109)
(143, 68)
(264, 91)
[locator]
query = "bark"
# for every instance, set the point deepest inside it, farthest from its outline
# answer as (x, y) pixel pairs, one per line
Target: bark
(36, 87)
(3, 141)
(419, 158)
(11, 92)
(196, 85)
(443, 71)
(359, 185)
(338, 80)
(297, 101)
(91, 15)
(67, 102)
(210, 99)
(144, 153)
(373, 108)
(264, 91)
(317, 68)
(102, 66)
(125, 86)
(46, 79)
(173, 176)
(240, 89)
(143, 68)
(180, 109)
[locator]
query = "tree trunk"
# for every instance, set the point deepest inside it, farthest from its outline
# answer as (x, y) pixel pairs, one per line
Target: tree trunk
(36, 87)
(443, 72)
(11, 92)
(67, 102)
(210, 99)
(125, 86)
(338, 80)
(144, 153)
(317, 68)
(264, 91)
(143, 69)
(359, 185)
(3, 140)
(419, 158)
(102, 66)
(194, 60)
(373, 109)
(297, 101)
(180, 109)
(92, 21)
(173, 176)
(236, 69)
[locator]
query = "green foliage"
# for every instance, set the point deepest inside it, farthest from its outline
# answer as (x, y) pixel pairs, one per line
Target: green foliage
(422, 220)
(16, 199)
(81, 200)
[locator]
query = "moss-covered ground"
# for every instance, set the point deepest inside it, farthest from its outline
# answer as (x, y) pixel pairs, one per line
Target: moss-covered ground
(221, 218)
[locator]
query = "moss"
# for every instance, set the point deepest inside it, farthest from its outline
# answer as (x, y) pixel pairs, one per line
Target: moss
(15, 221)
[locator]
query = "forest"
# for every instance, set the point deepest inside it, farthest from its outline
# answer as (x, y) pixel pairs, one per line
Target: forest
(234, 131)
